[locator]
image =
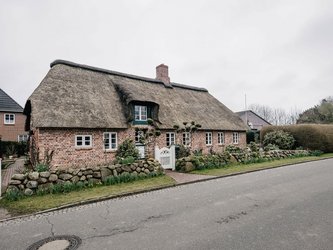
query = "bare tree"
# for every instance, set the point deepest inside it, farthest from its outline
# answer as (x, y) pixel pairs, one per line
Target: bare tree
(276, 116)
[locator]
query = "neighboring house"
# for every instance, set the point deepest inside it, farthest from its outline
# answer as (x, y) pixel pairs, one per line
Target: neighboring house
(83, 113)
(12, 119)
(252, 120)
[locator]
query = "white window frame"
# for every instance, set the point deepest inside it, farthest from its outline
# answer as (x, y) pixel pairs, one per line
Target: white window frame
(170, 138)
(84, 137)
(140, 113)
(209, 138)
(138, 135)
(235, 137)
(9, 121)
(22, 138)
(107, 141)
(186, 139)
(220, 138)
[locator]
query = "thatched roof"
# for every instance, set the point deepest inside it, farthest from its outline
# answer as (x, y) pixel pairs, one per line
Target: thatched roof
(79, 96)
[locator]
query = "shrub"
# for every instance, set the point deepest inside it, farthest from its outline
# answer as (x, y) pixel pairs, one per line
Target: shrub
(182, 151)
(13, 195)
(127, 160)
(283, 140)
(13, 148)
(308, 136)
(42, 167)
(270, 147)
(127, 149)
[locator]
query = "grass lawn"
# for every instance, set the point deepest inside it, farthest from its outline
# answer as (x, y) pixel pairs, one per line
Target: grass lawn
(239, 168)
(40, 203)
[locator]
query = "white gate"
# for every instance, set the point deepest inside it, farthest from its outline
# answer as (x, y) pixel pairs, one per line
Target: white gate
(166, 156)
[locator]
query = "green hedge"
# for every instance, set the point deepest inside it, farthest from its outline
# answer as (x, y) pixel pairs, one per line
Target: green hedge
(307, 136)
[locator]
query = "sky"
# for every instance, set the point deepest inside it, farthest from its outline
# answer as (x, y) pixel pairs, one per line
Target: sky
(276, 53)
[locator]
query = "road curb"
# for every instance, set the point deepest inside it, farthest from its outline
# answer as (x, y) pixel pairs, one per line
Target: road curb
(100, 199)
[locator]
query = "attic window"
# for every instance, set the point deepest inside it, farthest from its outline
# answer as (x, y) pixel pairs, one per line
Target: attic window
(140, 113)
(9, 119)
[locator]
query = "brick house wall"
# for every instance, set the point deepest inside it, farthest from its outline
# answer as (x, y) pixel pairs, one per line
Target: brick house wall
(62, 142)
(10, 132)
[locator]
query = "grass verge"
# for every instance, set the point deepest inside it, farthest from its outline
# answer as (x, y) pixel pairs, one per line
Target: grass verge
(39, 203)
(240, 168)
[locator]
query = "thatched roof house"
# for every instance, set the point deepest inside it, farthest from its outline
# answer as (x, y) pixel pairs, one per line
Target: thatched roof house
(76, 96)
(79, 96)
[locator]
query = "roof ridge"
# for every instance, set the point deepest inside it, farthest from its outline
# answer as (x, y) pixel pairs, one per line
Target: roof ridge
(112, 72)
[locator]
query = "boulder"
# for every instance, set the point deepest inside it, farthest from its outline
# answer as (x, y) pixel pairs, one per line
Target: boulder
(53, 177)
(96, 169)
(14, 182)
(83, 178)
(188, 166)
(42, 180)
(75, 179)
(147, 171)
(126, 168)
(32, 184)
(89, 176)
(79, 174)
(28, 192)
(19, 177)
(97, 174)
(45, 174)
(65, 177)
(76, 171)
(138, 169)
(88, 172)
(105, 172)
(115, 173)
(111, 167)
(33, 176)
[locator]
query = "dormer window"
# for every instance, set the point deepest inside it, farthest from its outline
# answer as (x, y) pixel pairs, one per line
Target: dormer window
(140, 113)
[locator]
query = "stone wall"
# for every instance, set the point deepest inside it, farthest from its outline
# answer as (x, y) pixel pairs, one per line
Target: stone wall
(29, 183)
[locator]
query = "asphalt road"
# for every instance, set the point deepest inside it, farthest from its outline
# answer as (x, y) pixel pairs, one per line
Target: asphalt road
(283, 208)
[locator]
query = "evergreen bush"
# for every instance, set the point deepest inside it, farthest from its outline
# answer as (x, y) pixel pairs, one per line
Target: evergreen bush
(283, 140)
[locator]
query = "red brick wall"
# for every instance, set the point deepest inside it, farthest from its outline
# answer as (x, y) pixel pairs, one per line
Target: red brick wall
(199, 140)
(10, 132)
(62, 142)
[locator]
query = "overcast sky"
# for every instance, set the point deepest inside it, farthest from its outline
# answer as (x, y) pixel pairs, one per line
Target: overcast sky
(278, 53)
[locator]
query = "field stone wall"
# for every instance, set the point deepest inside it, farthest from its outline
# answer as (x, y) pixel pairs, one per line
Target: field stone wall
(30, 182)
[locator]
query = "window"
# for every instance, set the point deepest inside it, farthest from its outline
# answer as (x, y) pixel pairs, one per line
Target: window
(110, 141)
(9, 119)
(22, 138)
(220, 138)
(140, 113)
(138, 135)
(208, 138)
(83, 141)
(170, 139)
(235, 137)
(186, 139)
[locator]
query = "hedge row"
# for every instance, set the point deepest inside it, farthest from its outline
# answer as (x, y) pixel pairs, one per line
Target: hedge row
(307, 136)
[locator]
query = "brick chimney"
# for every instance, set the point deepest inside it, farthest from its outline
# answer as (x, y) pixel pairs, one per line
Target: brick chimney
(162, 74)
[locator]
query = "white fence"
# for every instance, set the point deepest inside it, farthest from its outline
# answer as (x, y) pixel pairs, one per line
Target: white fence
(166, 156)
